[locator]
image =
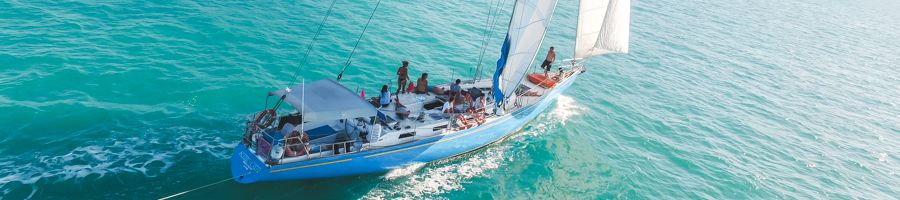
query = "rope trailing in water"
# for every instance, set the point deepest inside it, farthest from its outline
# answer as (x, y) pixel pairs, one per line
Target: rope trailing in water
(311, 43)
(207, 185)
(191, 190)
(347, 64)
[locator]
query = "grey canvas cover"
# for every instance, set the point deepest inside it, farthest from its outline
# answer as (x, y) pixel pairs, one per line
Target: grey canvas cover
(326, 100)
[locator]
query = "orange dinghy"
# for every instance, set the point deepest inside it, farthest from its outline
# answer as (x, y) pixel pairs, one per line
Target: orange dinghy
(540, 79)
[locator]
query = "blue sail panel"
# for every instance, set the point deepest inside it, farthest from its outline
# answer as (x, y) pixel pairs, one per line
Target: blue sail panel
(504, 52)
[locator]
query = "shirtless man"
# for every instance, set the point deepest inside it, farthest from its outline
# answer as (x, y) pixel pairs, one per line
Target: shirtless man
(551, 56)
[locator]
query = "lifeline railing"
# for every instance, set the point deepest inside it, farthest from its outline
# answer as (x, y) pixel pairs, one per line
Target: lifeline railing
(264, 148)
(562, 77)
(337, 147)
(453, 119)
(266, 143)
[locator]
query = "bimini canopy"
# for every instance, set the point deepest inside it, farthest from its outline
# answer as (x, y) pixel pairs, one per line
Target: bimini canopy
(326, 100)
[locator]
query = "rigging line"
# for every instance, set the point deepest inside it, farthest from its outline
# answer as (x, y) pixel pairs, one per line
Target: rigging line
(347, 64)
(497, 86)
(487, 23)
(493, 25)
(312, 42)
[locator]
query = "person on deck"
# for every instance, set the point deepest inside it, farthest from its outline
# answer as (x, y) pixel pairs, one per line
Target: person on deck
(402, 76)
(559, 75)
(446, 108)
(422, 84)
(551, 57)
(455, 89)
(478, 105)
(462, 102)
(385, 98)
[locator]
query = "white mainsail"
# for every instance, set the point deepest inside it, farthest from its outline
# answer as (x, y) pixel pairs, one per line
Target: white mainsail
(527, 26)
(603, 27)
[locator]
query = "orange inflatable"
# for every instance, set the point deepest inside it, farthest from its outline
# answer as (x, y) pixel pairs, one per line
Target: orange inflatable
(541, 80)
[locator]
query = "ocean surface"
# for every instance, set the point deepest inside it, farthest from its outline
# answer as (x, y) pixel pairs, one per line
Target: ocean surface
(762, 99)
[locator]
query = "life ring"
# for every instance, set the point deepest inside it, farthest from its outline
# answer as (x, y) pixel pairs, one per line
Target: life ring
(263, 119)
(293, 140)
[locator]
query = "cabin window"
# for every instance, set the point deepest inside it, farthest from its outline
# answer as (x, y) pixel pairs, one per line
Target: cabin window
(433, 105)
(437, 128)
(406, 135)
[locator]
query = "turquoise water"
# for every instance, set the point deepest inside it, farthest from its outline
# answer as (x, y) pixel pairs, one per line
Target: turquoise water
(717, 99)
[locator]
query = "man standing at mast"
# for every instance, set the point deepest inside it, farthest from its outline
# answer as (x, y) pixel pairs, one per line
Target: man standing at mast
(551, 56)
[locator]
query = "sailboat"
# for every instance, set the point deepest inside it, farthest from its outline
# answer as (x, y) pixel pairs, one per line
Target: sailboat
(331, 131)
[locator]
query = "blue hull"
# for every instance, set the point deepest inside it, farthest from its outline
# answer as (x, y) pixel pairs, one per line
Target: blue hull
(246, 168)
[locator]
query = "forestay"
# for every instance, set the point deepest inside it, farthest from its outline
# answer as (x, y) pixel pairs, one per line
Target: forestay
(326, 100)
(527, 26)
(603, 27)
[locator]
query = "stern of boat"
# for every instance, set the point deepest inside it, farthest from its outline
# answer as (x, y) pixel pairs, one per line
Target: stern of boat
(245, 166)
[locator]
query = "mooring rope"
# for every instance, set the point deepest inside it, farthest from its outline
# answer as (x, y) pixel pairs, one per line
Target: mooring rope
(191, 190)
(347, 64)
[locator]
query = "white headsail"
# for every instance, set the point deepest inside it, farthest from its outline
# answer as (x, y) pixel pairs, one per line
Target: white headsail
(527, 26)
(603, 27)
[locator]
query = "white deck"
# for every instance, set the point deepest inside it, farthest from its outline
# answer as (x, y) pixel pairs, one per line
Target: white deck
(421, 124)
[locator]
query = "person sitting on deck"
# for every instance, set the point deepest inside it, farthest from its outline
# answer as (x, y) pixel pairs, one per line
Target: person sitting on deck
(446, 108)
(422, 84)
(478, 105)
(385, 98)
(464, 123)
(477, 117)
(558, 75)
(461, 104)
(455, 89)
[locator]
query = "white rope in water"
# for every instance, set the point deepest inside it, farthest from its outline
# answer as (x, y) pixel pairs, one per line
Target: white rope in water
(191, 190)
